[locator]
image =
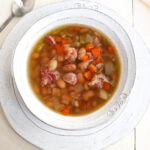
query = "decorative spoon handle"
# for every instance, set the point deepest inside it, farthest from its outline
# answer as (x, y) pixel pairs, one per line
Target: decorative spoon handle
(6, 22)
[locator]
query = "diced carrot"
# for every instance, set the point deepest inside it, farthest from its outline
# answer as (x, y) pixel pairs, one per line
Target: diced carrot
(95, 52)
(106, 86)
(58, 39)
(64, 41)
(85, 57)
(88, 75)
(92, 68)
(88, 47)
(66, 112)
(98, 60)
(110, 49)
(59, 49)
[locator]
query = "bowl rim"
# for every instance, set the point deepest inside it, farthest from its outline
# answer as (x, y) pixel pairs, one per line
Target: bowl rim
(12, 71)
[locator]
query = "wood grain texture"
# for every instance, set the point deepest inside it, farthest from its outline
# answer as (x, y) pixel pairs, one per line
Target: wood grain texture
(142, 26)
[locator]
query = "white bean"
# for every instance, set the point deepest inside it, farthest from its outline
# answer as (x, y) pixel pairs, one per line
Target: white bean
(87, 95)
(61, 84)
(60, 58)
(52, 65)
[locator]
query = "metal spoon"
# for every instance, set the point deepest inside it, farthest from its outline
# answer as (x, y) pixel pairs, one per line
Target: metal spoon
(19, 8)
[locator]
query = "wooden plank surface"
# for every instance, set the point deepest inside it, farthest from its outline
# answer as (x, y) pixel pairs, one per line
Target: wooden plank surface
(142, 26)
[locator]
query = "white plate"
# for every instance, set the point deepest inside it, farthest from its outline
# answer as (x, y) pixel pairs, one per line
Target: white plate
(48, 137)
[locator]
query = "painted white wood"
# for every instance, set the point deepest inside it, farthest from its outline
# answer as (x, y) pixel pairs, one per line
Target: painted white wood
(124, 8)
(142, 25)
(142, 20)
(126, 143)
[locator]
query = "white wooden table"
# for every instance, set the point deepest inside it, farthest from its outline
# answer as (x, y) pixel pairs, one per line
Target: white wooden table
(138, 15)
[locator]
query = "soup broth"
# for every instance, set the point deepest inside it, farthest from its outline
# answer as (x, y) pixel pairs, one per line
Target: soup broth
(73, 69)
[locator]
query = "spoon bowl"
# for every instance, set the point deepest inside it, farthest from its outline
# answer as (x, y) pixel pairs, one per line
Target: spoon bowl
(19, 8)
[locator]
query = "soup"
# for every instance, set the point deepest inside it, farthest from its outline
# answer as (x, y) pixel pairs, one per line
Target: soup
(73, 69)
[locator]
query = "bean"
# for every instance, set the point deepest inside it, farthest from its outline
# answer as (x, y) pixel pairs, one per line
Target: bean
(84, 30)
(64, 91)
(88, 94)
(33, 63)
(58, 106)
(50, 104)
(44, 91)
(86, 86)
(53, 85)
(44, 60)
(83, 65)
(81, 53)
(69, 67)
(56, 92)
(94, 103)
(75, 95)
(36, 89)
(77, 110)
(35, 55)
(52, 65)
(71, 88)
(65, 99)
(36, 72)
(60, 58)
(80, 78)
(61, 84)
(43, 54)
(76, 103)
(53, 52)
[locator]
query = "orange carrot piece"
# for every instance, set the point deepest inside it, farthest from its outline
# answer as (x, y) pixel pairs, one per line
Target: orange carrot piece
(95, 52)
(58, 39)
(85, 57)
(88, 47)
(110, 49)
(59, 49)
(64, 41)
(66, 112)
(92, 68)
(106, 86)
(98, 60)
(88, 75)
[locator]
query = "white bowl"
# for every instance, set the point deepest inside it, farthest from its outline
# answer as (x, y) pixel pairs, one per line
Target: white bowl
(101, 22)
